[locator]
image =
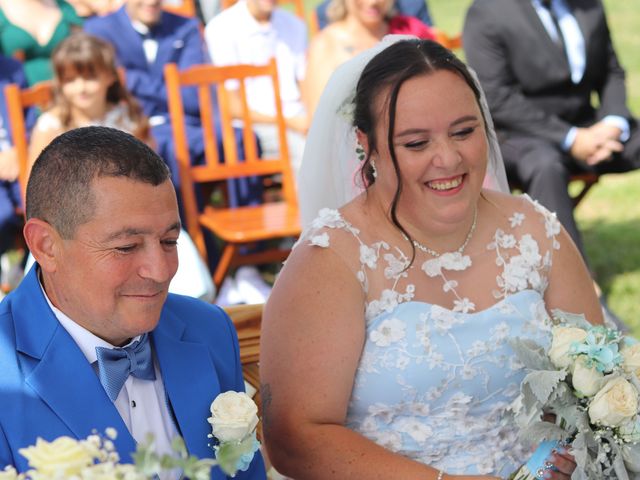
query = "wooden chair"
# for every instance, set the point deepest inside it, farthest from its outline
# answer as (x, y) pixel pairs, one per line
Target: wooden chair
(39, 95)
(242, 226)
(247, 320)
(187, 8)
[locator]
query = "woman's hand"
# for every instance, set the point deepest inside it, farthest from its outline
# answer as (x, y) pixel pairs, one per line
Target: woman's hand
(563, 462)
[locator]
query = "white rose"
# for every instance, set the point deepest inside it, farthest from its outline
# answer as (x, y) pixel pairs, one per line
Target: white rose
(64, 456)
(631, 359)
(586, 380)
(9, 473)
(614, 404)
(563, 337)
(630, 431)
(234, 416)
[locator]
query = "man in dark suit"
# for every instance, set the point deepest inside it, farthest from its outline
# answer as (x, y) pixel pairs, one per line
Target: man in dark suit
(102, 224)
(540, 63)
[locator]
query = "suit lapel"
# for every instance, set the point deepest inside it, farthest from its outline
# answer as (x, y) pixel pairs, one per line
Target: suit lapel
(546, 42)
(190, 381)
(62, 377)
(133, 51)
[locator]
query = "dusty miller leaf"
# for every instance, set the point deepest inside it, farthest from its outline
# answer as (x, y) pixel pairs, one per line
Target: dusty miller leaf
(631, 457)
(530, 354)
(543, 382)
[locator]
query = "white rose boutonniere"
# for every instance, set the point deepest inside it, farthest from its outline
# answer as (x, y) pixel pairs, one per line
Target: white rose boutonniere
(234, 418)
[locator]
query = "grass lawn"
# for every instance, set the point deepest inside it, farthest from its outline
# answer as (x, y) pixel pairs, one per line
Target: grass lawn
(610, 214)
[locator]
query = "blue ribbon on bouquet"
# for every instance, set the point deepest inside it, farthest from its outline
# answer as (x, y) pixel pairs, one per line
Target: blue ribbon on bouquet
(538, 464)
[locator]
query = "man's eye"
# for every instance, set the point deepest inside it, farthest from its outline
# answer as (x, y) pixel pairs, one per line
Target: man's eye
(170, 243)
(126, 248)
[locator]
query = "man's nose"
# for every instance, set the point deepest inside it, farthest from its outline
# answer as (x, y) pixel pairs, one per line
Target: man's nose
(158, 264)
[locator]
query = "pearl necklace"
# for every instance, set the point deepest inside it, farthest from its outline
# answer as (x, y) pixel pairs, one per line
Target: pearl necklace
(433, 253)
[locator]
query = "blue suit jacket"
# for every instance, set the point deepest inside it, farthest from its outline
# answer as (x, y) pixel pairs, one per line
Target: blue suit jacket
(48, 389)
(179, 42)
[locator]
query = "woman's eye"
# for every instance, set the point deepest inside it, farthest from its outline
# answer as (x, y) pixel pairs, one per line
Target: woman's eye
(465, 132)
(417, 145)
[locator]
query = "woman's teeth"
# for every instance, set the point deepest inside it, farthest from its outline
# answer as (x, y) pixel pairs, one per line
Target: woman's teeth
(446, 184)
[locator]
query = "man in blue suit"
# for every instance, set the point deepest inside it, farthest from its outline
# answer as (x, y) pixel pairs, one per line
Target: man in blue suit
(102, 223)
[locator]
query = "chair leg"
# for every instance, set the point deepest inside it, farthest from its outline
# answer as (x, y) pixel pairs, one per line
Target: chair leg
(226, 258)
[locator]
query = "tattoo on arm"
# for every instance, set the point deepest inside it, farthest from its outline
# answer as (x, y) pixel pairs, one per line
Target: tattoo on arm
(265, 395)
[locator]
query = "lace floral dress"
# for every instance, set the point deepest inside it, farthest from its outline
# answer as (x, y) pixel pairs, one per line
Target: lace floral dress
(435, 379)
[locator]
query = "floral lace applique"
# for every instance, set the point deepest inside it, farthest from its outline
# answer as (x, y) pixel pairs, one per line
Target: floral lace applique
(450, 261)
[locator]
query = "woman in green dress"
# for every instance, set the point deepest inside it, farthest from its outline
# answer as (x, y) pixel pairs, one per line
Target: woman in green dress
(31, 29)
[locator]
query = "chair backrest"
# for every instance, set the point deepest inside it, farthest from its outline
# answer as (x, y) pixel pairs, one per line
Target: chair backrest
(208, 79)
(18, 101)
(187, 8)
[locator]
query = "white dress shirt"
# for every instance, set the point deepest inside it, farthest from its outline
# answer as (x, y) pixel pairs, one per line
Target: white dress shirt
(142, 404)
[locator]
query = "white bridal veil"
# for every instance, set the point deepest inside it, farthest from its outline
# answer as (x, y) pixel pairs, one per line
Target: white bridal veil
(328, 175)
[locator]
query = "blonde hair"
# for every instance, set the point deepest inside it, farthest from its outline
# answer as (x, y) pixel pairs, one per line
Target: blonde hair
(337, 10)
(84, 54)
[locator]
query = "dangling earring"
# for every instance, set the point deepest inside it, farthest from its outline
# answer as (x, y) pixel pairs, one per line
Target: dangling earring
(374, 170)
(360, 151)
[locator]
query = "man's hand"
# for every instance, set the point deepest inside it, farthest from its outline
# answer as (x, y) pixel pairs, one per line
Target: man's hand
(9, 165)
(596, 144)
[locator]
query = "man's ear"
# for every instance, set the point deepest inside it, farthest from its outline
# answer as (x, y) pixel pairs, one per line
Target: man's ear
(43, 241)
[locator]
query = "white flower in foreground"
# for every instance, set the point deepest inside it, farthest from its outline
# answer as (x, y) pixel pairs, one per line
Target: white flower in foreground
(586, 380)
(563, 337)
(64, 457)
(9, 473)
(614, 404)
(234, 416)
(631, 359)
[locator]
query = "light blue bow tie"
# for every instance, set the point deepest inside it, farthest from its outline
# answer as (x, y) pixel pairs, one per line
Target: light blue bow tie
(116, 364)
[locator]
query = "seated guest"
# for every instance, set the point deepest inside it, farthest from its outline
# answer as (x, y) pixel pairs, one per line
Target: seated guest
(252, 32)
(354, 28)
(10, 72)
(411, 8)
(102, 223)
(547, 121)
(542, 105)
(31, 29)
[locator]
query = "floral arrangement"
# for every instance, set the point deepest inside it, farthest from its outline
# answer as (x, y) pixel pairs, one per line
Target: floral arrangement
(233, 419)
(589, 379)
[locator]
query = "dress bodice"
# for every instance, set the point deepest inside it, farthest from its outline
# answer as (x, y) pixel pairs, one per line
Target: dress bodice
(435, 379)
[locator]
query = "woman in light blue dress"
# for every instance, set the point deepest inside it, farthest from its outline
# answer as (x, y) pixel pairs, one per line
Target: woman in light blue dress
(385, 347)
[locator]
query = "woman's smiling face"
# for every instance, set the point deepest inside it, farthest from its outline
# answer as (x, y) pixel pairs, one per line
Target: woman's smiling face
(441, 148)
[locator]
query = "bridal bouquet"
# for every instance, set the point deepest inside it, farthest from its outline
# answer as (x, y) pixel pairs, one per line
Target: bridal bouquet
(233, 419)
(588, 379)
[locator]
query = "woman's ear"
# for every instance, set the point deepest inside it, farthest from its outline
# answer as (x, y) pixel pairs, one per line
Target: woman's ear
(363, 141)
